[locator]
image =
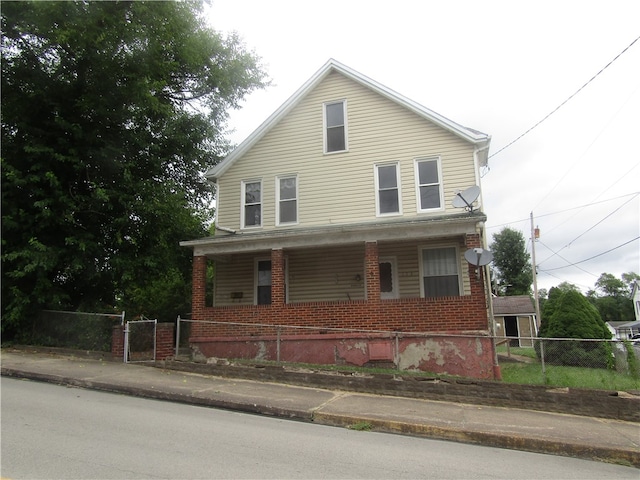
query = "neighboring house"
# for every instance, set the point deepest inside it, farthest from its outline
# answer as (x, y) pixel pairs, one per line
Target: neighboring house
(515, 316)
(624, 330)
(336, 213)
(635, 297)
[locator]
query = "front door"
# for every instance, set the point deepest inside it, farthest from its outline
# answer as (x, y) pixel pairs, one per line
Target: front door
(388, 278)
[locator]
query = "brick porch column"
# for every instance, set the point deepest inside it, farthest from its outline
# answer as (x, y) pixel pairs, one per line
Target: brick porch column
(278, 295)
(372, 271)
(473, 241)
(199, 287)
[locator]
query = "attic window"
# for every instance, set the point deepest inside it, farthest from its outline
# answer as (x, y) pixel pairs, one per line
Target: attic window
(335, 131)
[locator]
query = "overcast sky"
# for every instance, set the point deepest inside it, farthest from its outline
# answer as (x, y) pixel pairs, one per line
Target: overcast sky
(499, 67)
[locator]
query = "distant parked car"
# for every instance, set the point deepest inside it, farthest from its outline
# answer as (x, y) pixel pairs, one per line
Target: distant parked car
(636, 338)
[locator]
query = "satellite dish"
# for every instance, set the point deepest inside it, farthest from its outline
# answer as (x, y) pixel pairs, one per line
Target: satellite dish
(466, 198)
(478, 257)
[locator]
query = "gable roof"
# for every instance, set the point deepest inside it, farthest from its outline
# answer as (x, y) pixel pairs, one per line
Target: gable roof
(481, 140)
(513, 305)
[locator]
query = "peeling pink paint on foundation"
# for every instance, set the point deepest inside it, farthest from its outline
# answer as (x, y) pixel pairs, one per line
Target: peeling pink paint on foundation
(470, 356)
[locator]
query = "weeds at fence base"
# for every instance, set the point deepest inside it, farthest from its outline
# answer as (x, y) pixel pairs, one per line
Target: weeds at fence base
(573, 377)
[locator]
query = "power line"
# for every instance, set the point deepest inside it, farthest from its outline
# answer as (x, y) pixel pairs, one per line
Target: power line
(589, 229)
(564, 211)
(563, 103)
(568, 261)
(595, 256)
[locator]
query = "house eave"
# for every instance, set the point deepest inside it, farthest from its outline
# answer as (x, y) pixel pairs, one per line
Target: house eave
(481, 140)
(335, 235)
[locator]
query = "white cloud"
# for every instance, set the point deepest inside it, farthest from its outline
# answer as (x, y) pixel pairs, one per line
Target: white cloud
(498, 67)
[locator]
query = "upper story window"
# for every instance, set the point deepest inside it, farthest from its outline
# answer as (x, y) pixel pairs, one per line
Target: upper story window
(251, 204)
(335, 126)
(428, 184)
(287, 199)
(439, 269)
(387, 189)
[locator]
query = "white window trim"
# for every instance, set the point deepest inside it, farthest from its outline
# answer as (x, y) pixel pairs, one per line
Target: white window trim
(324, 126)
(395, 292)
(282, 177)
(376, 179)
(243, 226)
(416, 161)
(421, 266)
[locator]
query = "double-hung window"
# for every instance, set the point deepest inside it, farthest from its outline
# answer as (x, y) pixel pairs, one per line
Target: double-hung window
(287, 199)
(335, 126)
(440, 277)
(388, 200)
(251, 211)
(428, 184)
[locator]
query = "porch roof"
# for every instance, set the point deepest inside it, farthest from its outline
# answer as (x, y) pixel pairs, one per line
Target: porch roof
(394, 230)
(513, 305)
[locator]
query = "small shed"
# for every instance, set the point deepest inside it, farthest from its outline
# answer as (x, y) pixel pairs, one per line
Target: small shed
(515, 316)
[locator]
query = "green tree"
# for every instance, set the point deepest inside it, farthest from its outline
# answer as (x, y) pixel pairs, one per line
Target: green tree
(570, 315)
(111, 111)
(612, 297)
(512, 262)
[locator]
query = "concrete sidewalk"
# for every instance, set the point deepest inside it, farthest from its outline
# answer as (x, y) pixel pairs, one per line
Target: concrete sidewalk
(570, 435)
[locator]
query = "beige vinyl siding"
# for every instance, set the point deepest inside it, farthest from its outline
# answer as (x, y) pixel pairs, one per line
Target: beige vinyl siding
(326, 274)
(234, 276)
(329, 274)
(408, 261)
(339, 188)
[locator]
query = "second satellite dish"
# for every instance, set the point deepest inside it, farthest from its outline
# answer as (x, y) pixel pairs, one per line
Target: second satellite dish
(466, 198)
(478, 256)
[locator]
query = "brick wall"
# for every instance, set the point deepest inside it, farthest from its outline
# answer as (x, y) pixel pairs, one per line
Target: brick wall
(165, 347)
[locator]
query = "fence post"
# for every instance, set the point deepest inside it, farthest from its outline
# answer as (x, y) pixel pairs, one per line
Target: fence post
(397, 353)
(126, 343)
(544, 372)
(278, 344)
(177, 336)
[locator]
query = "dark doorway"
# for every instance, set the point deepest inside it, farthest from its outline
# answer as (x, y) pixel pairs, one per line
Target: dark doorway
(511, 330)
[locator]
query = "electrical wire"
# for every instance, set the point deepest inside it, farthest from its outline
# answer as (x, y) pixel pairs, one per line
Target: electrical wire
(568, 261)
(591, 258)
(563, 103)
(589, 229)
(563, 211)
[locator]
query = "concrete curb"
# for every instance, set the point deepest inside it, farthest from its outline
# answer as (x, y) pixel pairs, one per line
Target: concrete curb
(154, 394)
(577, 450)
(587, 452)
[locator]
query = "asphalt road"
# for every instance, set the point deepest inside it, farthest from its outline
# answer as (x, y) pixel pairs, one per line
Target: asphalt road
(50, 431)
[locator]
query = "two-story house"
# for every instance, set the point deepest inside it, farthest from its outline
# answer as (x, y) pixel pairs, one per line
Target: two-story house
(337, 241)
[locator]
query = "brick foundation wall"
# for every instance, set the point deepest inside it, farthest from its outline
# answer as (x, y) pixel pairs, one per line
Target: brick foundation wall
(470, 356)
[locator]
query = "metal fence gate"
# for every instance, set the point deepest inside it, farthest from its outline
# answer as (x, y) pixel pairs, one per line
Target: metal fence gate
(140, 340)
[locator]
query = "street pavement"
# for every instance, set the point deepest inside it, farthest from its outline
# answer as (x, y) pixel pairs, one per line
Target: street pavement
(600, 439)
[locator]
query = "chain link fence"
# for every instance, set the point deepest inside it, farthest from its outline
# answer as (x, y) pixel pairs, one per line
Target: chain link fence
(550, 359)
(75, 330)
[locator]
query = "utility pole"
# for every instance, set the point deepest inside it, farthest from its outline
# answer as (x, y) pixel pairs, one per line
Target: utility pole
(534, 236)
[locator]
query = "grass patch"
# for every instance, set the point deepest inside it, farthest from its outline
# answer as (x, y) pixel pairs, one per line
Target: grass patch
(516, 373)
(361, 427)
(574, 377)
(520, 351)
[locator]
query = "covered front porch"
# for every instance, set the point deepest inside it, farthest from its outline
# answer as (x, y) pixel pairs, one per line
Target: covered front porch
(363, 285)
